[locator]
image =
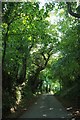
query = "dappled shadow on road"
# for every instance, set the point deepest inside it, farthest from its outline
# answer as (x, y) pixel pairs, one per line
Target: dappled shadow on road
(51, 107)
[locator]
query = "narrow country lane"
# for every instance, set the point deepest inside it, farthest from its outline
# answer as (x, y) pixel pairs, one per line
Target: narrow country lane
(47, 106)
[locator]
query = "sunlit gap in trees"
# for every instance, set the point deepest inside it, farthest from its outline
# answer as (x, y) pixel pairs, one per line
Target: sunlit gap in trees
(53, 15)
(57, 55)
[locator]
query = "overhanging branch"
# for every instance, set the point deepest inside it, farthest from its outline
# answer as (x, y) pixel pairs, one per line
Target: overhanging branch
(71, 12)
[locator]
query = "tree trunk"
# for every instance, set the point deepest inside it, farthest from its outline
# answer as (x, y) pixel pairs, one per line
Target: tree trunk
(5, 39)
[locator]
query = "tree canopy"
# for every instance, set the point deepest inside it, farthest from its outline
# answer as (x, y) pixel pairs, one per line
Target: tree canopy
(41, 50)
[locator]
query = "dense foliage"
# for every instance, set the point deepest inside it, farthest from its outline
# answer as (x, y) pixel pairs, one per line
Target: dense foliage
(39, 56)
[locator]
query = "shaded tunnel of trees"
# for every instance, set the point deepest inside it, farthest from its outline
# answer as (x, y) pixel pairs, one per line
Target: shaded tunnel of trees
(39, 55)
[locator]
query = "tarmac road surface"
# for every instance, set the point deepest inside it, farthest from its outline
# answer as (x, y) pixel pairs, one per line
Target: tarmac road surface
(47, 106)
